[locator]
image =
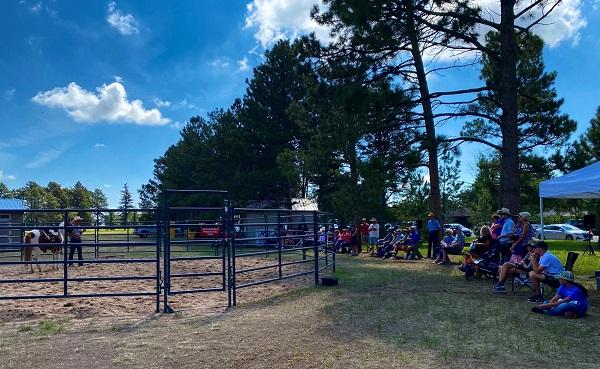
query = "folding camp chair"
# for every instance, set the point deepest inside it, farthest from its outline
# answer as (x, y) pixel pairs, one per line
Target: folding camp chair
(548, 288)
(520, 281)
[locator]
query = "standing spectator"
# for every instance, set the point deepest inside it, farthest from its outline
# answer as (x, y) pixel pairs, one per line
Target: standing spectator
(354, 240)
(75, 240)
(570, 300)
(524, 233)
(364, 234)
(433, 234)
(373, 236)
(546, 266)
(508, 229)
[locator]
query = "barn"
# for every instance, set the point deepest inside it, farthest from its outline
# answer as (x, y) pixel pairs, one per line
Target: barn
(11, 215)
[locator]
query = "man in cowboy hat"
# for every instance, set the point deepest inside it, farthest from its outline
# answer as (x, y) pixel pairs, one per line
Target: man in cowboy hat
(75, 239)
(508, 229)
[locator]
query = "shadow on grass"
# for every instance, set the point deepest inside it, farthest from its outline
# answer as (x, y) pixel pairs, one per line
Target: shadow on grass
(417, 305)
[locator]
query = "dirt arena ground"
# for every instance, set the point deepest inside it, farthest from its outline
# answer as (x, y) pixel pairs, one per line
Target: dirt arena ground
(136, 308)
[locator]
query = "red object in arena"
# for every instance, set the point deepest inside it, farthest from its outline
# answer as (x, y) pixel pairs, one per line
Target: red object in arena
(213, 231)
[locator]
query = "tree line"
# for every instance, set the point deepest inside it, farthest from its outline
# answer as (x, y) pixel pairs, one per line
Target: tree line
(56, 196)
(354, 123)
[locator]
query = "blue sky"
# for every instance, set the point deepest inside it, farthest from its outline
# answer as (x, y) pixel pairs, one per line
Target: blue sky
(95, 90)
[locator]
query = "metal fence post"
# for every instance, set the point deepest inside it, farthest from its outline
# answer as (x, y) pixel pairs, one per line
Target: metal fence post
(65, 263)
(316, 247)
(167, 256)
(279, 244)
(158, 236)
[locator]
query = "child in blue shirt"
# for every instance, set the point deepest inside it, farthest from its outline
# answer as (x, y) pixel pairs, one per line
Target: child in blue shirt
(570, 300)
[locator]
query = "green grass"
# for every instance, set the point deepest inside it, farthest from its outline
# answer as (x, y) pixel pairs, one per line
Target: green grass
(421, 306)
(44, 328)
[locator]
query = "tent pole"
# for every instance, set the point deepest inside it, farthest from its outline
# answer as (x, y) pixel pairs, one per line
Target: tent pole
(542, 217)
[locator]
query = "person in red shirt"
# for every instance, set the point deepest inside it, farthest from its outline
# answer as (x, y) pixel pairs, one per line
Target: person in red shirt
(364, 233)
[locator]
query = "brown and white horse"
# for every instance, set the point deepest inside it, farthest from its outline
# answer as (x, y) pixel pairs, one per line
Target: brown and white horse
(42, 242)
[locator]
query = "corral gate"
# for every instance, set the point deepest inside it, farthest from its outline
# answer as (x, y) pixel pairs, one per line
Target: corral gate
(214, 239)
(195, 243)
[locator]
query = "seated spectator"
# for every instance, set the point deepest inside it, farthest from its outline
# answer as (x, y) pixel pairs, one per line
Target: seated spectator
(481, 244)
(455, 248)
(385, 244)
(343, 243)
(570, 300)
(545, 267)
(409, 244)
(478, 248)
(446, 241)
(522, 267)
(496, 226)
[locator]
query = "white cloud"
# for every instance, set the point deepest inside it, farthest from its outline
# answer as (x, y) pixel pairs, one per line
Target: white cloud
(126, 24)
(99, 145)
(178, 105)
(36, 8)
(118, 79)
(44, 158)
(109, 104)
(278, 19)
(219, 63)
(106, 185)
(161, 103)
(563, 23)
(10, 177)
(9, 94)
(243, 64)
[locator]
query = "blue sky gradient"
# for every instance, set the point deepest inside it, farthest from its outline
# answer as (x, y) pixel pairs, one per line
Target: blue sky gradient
(179, 59)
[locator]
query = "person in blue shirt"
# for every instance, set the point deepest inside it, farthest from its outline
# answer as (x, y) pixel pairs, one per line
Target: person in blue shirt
(508, 229)
(570, 301)
(433, 235)
(546, 266)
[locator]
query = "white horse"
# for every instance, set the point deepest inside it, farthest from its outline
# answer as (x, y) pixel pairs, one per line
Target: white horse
(44, 242)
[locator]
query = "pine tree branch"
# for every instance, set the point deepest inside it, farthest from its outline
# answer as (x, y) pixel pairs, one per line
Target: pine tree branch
(471, 139)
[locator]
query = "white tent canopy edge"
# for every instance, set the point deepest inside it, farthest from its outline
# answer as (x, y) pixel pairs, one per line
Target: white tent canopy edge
(583, 183)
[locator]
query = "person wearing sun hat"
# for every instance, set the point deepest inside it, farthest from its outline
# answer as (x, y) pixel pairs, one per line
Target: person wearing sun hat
(433, 235)
(508, 229)
(75, 239)
(373, 236)
(570, 301)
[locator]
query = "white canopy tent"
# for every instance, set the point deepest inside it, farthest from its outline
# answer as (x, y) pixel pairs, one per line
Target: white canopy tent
(583, 183)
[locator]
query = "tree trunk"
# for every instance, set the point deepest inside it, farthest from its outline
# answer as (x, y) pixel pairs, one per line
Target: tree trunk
(430, 143)
(509, 167)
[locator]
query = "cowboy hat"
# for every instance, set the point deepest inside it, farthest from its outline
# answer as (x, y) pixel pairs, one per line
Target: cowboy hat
(77, 218)
(504, 211)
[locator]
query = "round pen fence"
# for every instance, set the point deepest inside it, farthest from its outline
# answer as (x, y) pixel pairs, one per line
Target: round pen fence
(112, 275)
(195, 243)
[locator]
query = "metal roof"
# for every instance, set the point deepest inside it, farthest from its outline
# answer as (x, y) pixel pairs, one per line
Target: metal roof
(12, 205)
(304, 204)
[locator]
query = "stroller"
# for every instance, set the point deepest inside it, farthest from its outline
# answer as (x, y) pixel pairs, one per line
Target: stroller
(485, 265)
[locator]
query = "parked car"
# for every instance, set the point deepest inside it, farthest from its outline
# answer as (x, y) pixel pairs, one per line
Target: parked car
(466, 231)
(563, 232)
(145, 231)
(150, 230)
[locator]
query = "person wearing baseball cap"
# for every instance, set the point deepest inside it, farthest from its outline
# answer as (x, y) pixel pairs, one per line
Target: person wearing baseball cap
(546, 266)
(570, 301)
